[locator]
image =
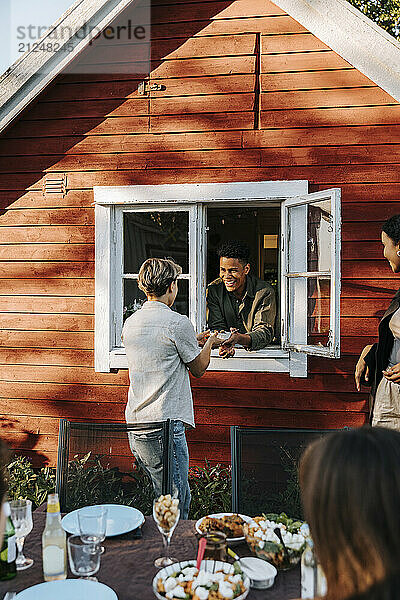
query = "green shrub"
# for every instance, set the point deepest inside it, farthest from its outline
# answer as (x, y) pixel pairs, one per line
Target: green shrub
(91, 482)
(25, 482)
(211, 489)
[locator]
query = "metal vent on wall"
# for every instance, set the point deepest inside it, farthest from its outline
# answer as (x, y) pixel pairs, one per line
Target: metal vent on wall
(55, 183)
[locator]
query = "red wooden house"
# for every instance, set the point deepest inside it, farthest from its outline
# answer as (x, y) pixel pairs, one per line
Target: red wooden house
(243, 109)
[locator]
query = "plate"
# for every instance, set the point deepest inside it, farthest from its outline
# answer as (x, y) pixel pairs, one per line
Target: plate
(69, 589)
(207, 565)
(120, 519)
(231, 541)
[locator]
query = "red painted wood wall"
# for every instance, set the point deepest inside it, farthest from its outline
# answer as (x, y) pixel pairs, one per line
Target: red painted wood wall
(317, 118)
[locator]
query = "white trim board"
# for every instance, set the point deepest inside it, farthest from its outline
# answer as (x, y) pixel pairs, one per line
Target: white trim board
(25, 80)
(355, 37)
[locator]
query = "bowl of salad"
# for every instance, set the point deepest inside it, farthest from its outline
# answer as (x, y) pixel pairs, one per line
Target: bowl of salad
(216, 580)
(278, 539)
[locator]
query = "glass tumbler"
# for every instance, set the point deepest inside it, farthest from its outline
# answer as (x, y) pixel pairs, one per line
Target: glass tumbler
(84, 559)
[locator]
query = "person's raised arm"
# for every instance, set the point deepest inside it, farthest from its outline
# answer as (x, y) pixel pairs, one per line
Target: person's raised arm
(198, 366)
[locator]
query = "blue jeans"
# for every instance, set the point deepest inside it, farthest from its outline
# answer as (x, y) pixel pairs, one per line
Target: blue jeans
(147, 448)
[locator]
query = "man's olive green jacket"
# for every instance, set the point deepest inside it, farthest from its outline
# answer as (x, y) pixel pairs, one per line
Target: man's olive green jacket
(257, 310)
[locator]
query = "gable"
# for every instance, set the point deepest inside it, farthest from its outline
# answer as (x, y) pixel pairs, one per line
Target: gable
(368, 48)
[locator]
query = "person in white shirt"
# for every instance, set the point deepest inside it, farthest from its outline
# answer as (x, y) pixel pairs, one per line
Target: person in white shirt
(161, 348)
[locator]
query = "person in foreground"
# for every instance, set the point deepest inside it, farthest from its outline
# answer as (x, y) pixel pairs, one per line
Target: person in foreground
(350, 488)
(161, 348)
(239, 302)
(379, 364)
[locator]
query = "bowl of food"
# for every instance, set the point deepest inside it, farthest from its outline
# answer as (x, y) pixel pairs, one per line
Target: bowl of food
(231, 524)
(183, 580)
(276, 539)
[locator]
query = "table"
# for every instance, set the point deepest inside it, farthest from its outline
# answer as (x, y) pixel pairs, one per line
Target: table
(127, 565)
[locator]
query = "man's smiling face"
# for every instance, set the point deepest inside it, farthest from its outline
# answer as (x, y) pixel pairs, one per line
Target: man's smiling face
(233, 273)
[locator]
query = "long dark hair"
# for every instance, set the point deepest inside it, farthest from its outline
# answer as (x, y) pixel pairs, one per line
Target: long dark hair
(350, 485)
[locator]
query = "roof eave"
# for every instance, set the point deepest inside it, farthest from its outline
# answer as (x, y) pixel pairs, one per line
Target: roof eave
(33, 72)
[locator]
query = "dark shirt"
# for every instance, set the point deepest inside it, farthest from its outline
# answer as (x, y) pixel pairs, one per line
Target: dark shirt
(254, 314)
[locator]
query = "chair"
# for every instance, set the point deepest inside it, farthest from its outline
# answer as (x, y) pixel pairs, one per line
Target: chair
(264, 469)
(95, 465)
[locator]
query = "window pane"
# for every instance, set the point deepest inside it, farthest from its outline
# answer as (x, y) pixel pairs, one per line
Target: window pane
(317, 320)
(258, 227)
(155, 235)
(314, 252)
(134, 297)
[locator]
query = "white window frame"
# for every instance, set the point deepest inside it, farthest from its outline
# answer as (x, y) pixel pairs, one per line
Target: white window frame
(108, 204)
(332, 350)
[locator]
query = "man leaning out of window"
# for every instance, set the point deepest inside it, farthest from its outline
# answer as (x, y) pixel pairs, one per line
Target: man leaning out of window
(240, 302)
(161, 348)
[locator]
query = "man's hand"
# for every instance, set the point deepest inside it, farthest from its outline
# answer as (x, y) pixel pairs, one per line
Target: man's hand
(362, 368)
(204, 336)
(227, 348)
(393, 373)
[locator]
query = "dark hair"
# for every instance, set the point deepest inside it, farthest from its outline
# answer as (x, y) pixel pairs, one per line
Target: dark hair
(384, 590)
(234, 249)
(392, 228)
(350, 486)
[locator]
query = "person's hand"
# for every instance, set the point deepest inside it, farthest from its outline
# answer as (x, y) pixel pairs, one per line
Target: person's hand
(203, 337)
(393, 373)
(361, 369)
(227, 349)
(215, 340)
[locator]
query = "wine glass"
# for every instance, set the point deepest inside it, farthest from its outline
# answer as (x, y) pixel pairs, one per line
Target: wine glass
(84, 559)
(166, 515)
(93, 524)
(21, 516)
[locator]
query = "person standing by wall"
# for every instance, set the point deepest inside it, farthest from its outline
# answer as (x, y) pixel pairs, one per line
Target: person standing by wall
(379, 364)
(161, 348)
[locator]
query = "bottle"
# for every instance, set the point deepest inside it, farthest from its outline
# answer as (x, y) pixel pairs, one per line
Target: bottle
(8, 552)
(54, 542)
(313, 582)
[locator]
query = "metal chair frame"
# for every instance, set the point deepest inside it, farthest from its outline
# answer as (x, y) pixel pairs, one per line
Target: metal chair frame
(236, 435)
(66, 426)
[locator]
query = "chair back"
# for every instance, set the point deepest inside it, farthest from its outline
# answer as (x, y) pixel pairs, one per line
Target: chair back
(95, 465)
(264, 469)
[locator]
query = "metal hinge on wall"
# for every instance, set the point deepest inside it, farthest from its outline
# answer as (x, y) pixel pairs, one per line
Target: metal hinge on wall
(145, 87)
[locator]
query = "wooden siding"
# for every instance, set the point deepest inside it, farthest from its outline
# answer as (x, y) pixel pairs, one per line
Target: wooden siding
(296, 110)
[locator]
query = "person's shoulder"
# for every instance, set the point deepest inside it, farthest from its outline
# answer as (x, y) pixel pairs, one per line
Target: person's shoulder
(216, 283)
(214, 288)
(260, 285)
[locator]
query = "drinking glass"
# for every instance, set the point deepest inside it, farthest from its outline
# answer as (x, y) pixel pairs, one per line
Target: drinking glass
(166, 515)
(21, 516)
(92, 525)
(84, 559)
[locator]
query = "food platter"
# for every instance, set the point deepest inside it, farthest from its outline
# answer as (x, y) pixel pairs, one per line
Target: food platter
(233, 540)
(207, 566)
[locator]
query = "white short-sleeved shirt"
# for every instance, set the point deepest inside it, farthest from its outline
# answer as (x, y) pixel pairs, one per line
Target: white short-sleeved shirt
(159, 343)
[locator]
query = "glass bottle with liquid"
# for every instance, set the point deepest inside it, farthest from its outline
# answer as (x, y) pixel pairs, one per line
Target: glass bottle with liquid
(8, 552)
(54, 545)
(313, 582)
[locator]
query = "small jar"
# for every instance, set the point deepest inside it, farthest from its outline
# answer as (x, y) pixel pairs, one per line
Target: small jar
(215, 546)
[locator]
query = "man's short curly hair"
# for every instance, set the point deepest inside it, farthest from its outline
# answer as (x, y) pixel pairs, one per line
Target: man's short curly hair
(392, 228)
(234, 249)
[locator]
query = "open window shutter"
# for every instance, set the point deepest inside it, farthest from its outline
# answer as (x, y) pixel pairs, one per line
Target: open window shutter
(311, 235)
